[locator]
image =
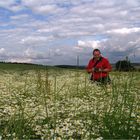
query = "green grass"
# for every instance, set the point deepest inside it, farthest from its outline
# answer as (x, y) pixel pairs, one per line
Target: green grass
(63, 104)
(20, 66)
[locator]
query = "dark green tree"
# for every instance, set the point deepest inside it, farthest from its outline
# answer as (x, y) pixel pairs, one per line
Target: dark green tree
(124, 65)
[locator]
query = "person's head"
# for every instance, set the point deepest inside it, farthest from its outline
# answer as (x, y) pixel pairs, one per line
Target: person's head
(96, 53)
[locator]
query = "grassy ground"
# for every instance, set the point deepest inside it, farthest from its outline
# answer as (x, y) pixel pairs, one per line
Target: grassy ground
(64, 104)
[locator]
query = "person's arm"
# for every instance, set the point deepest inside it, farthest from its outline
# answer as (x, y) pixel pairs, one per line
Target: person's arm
(107, 67)
(89, 68)
(105, 70)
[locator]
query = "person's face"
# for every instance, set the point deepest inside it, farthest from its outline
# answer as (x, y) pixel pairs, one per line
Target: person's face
(96, 54)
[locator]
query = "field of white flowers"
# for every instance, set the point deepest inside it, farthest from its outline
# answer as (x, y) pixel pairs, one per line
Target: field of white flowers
(62, 104)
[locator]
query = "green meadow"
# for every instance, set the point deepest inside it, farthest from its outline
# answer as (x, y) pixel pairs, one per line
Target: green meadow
(49, 103)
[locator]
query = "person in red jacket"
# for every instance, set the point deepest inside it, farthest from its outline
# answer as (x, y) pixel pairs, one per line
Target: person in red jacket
(99, 67)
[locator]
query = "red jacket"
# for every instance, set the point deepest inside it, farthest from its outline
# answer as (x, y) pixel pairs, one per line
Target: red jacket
(103, 64)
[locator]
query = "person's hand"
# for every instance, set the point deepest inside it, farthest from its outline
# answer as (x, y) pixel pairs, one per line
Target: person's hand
(97, 70)
(93, 69)
(100, 70)
(90, 70)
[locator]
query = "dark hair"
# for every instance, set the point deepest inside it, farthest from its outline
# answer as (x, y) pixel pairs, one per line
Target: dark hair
(96, 50)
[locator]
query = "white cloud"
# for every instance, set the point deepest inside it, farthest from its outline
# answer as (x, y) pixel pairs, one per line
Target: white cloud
(125, 30)
(20, 17)
(11, 5)
(6, 3)
(33, 2)
(36, 39)
(64, 24)
(2, 50)
(3, 53)
(34, 54)
(16, 8)
(133, 3)
(58, 52)
(48, 9)
(47, 29)
(20, 60)
(43, 7)
(92, 44)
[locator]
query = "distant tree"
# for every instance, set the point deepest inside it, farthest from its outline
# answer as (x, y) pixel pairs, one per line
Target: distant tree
(124, 65)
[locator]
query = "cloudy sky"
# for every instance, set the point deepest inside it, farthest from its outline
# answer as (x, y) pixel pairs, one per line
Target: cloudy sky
(55, 32)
